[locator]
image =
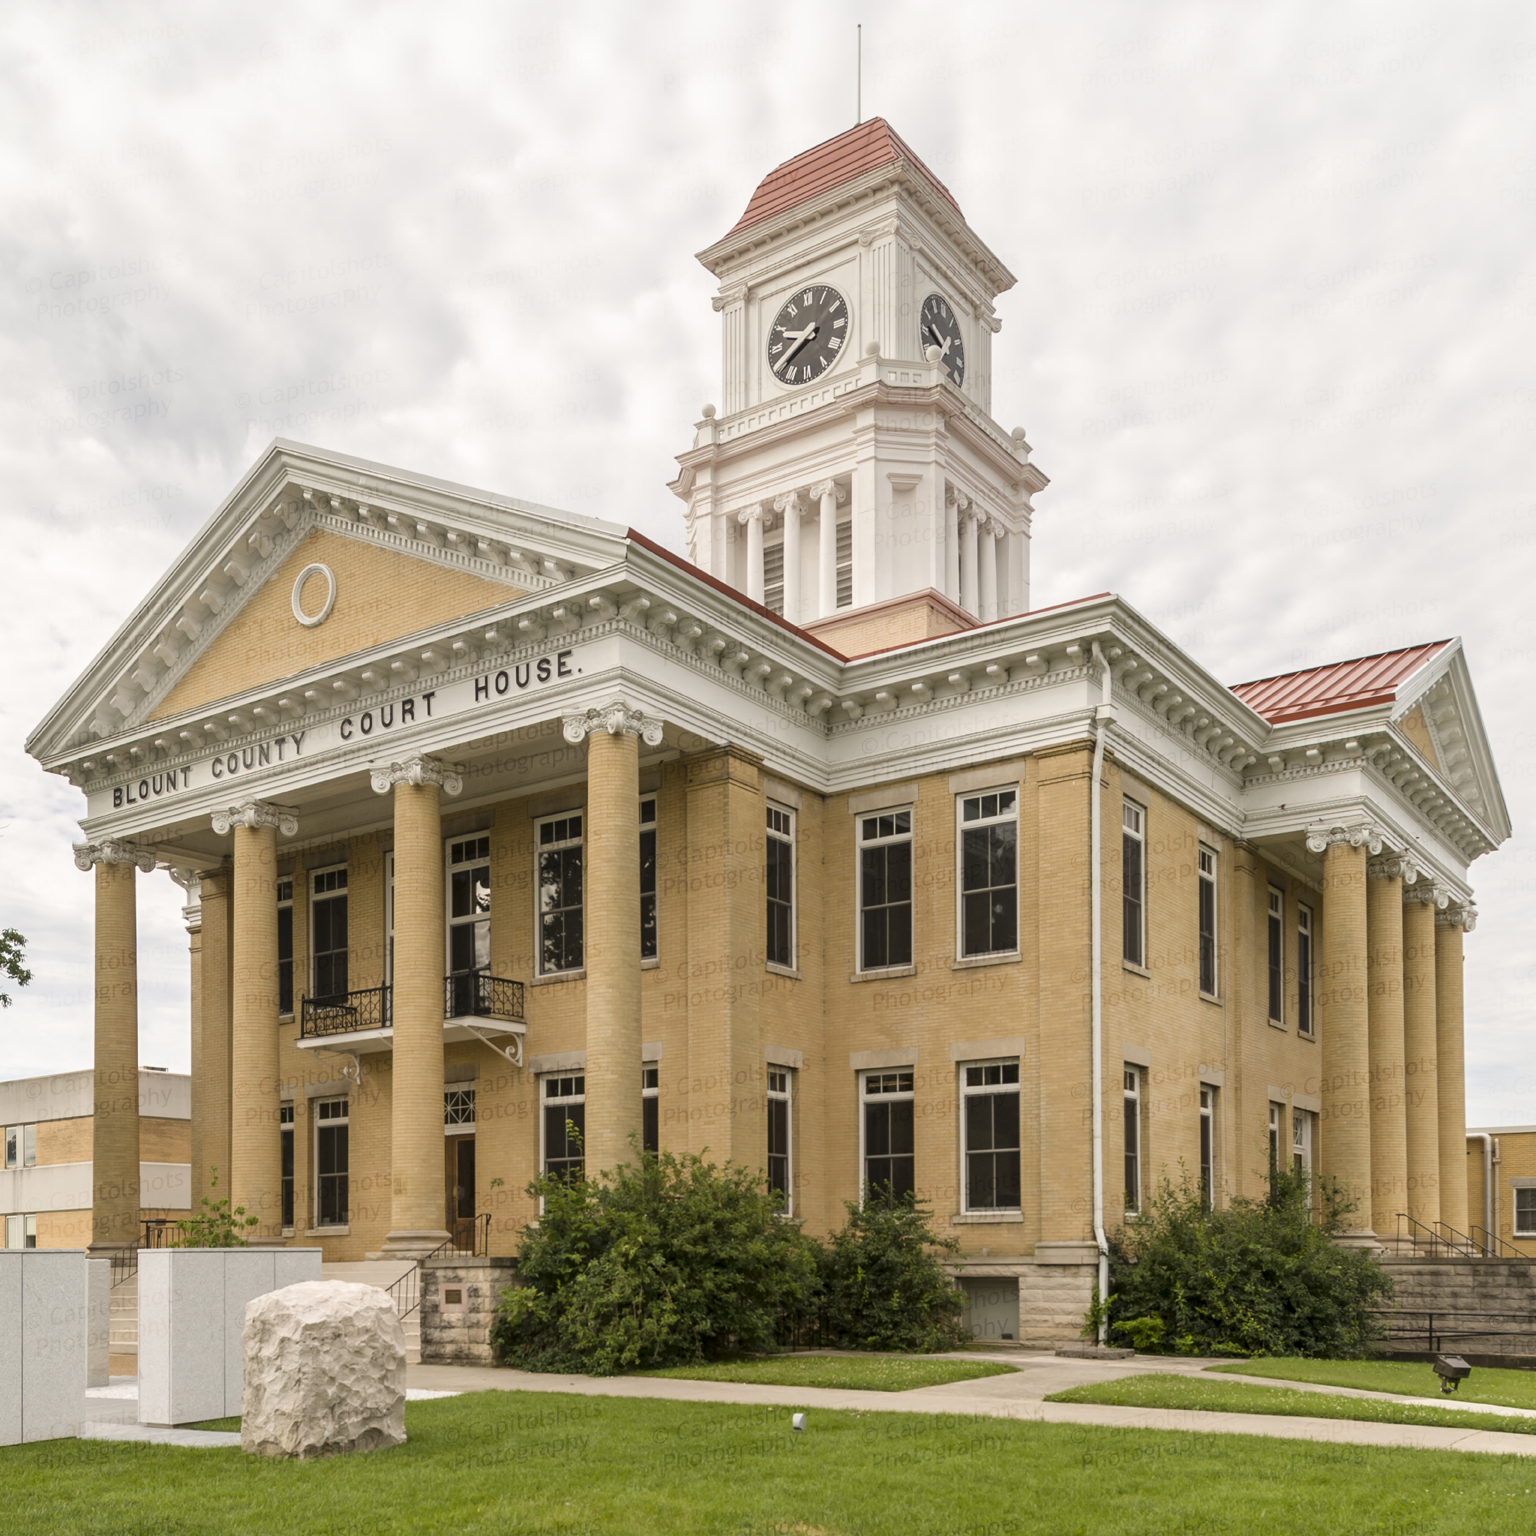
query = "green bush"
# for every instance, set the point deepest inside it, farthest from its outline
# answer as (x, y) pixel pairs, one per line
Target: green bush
(883, 1281)
(1258, 1277)
(668, 1261)
(215, 1226)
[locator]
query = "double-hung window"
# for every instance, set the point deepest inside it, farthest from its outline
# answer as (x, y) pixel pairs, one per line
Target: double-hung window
(285, 1132)
(331, 1162)
(1276, 1119)
(20, 1146)
(561, 937)
(1276, 956)
(989, 873)
(989, 1097)
(648, 949)
(888, 1134)
(328, 932)
(1208, 1147)
(1303, 970)
(564, 1125)
(285, 949)
(1525, 1213)
(1132, 1140)
(1301, 1140)
(780, 1133)
(1133, 881)
(781, 887)
(650, 1107)
(469, 918)
(1207, 900)
(21, 1231)
(885, 890)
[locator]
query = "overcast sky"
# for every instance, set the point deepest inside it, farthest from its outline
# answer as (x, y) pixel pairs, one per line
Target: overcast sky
(1271, 339)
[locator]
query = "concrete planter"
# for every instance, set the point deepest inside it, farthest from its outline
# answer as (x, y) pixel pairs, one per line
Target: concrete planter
(44, 1327)
(191, 1317)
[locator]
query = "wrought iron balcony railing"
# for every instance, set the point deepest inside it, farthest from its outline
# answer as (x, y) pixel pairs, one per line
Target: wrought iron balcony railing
(479, 995)
(345, 1013)
(466, 995)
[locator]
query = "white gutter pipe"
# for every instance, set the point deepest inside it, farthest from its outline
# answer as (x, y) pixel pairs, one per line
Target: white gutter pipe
(1103, 716)
(1487, 1141)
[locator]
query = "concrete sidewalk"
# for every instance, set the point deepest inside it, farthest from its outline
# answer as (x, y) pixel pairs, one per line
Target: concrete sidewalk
(1017, 1396)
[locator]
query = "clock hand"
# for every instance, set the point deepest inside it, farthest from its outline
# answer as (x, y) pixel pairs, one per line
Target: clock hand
(804, 336)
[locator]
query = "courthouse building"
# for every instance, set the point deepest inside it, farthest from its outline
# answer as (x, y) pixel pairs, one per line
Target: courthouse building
(817, 850)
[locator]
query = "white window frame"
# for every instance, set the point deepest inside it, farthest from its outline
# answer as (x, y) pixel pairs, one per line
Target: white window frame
(908, 1093)
(450, 864)
(1001, 817)
(1276, 1135)
(458, 1109)
(650, 1092)
(539, 849)
(287, 1126)
(1516, 1229)
(1302, 1122)
(576, 1075)
(317, 1124)
(282, 882)
(24, 1139)
(1133, 825)
(1131, 1094)
(788, 834)
(1274, 936)
(22, 1226)
(1306, 962)
(859, 845)
(1207, 866)
(986, 1090)
(647, 824)
(1209, 1125)
(312, 906)
(781, 1090)
(389, 917)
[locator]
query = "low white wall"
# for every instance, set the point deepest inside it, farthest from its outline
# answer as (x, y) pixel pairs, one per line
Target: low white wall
(67, 1187)
(44, 1316)
(191, 1318)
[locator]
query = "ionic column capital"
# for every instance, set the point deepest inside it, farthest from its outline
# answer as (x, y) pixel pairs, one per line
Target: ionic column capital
(956, 498)
(1462, 915)
(255, 813)
(1395, 866)
(790, 501)
(1427, 893)
(824, 488)
(419, 769)
(1320, 839)
(112, 850)
(617, 719)
(758, 513)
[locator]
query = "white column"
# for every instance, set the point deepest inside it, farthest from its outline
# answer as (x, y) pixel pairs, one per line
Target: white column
(988, 537)
(826, 554)
(951, 548)
(790, 506)
(969, 581)
(753, 517)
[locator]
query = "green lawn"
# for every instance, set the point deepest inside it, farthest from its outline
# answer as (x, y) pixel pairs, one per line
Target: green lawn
(866, 1373)
(516, 1462)
(1512, 1389)
(1201, 1392)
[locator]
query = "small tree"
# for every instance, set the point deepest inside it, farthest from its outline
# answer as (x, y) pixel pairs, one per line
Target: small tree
(13, 948)
(883, 1281)
(1257, 1277)
(215, 1226)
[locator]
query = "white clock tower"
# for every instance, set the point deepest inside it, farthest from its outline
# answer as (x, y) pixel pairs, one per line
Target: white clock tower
(855, 481)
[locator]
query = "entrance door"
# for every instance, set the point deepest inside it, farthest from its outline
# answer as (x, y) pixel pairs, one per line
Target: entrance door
(461, 1172)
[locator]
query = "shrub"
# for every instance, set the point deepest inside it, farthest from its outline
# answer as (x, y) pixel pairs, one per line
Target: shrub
(883, 1282)
(215, 1226)
(1258, 1277)
(667, 1261)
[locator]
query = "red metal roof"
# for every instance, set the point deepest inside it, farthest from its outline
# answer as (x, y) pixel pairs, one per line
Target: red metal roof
(1340, 686)
(829, 165)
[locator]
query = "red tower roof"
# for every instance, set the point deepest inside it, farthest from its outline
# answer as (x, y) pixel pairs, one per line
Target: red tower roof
(1340, 686)
(829, 165)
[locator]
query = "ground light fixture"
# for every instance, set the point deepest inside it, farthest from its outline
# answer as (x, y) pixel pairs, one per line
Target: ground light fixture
(797, 1422)
(1452, 1371)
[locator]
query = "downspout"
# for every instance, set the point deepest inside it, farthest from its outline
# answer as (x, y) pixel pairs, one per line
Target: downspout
(1487, 1142)
(1103, 716)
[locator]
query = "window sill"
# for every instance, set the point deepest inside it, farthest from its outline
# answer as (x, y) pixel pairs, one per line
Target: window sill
(288, 1232)
(1276, 1024)
(1135, 970)
(889, 973)
(985, 1218)
(782, 970)
(970, 962)
(1211, 997)
(653, 964)
(328, 1232)
(285, 1018)
(549, 981)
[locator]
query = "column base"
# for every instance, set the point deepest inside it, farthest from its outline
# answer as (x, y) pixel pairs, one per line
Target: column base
(1358, 1237)
(108, 1250)
(411, 1244)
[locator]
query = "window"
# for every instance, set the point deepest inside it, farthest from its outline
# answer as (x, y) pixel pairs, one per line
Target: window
(461, 1152)
(565, 1126)
(458, 1109)
(285, 948)
(845, 564)
(989, 1095)
(561, 945)
(773, 577)
(1208, 1147)
(1525, 1213)
(779, 1133)
(1208, 922)
(650, 1107)
(781, 887)
(648, 878)
(1276, 956)
(989, 873)
(285, 1132)
(1276, 1116)
(21, 1231)
(328, 927)
(1301, 1140)
(1132, 1140)
(469, 919)
(1303, 970)
(1133, 881)
(885, 890)
(331, 1162)
(888, 1124)
(20, 1146)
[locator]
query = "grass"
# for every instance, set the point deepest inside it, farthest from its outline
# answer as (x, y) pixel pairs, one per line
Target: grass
(1208, 1396)
(229, 1426)
(1510, 1389)
(519, 1462)
(866, 1373)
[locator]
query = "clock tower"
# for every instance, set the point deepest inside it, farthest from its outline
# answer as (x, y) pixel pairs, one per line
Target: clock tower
(854, 480)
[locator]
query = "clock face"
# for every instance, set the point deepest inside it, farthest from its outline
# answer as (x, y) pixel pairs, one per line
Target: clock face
(940, 328)
(810, 331)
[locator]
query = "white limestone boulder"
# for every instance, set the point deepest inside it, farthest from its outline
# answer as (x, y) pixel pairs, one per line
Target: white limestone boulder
(324, 1371)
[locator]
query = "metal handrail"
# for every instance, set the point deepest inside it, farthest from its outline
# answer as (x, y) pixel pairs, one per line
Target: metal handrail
(479, 995)
(466, 995)
(1494, 1247)
(345, 1013)
(1441, 1327)
(158, 1232)
(470, 1235)
(406, 1292)
(125, 1265)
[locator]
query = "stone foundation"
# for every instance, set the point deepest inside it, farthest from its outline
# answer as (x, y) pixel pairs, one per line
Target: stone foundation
(1052, 1299)
(458, 1331)
(1447, 1286)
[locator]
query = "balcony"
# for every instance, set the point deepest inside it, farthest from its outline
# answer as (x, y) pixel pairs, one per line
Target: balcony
(476, 1006)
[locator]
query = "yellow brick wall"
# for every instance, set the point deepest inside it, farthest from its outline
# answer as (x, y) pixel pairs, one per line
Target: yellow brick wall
(895, 624)
(69, 1141)
(1516, 1160)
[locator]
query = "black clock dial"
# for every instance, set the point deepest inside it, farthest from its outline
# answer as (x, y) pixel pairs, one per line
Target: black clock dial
(941, 329)
(810, 331)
